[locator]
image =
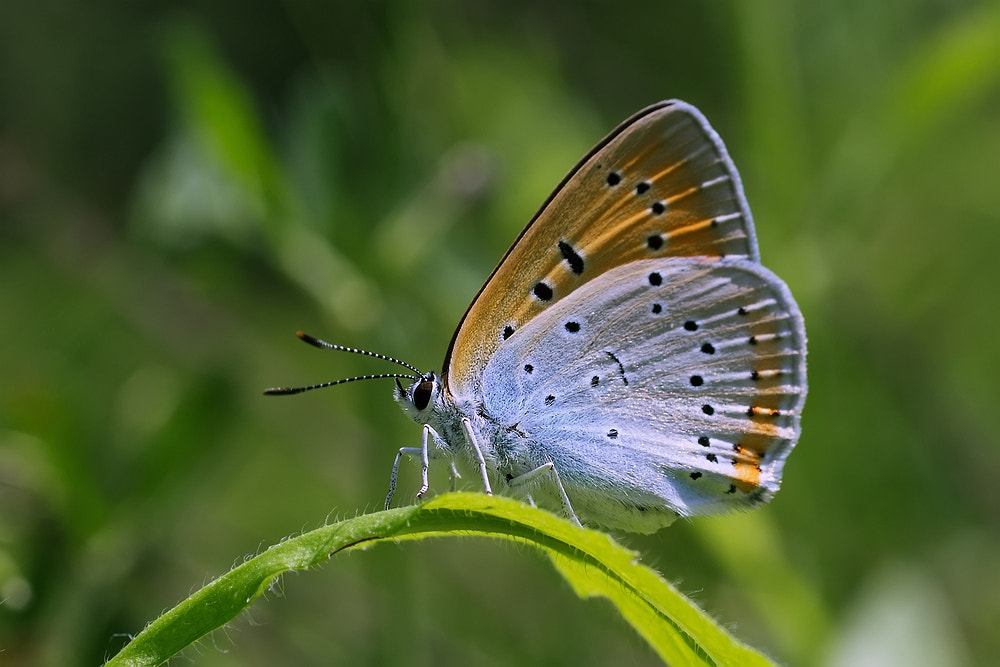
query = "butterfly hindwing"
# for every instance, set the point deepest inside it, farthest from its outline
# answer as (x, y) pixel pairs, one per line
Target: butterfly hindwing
(660, 185)
(671, 385)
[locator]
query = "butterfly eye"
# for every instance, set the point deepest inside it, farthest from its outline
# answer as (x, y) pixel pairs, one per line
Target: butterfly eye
(422, 394)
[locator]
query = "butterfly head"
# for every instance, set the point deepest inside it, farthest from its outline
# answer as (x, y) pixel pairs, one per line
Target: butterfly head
(420, 398)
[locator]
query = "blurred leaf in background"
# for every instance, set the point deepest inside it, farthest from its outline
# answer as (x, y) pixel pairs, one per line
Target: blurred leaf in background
(181, 188)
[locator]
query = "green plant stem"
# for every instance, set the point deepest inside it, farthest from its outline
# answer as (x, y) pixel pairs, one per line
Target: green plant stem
(594, 565)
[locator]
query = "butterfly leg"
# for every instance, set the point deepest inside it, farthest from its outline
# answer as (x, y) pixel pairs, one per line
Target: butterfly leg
(424, 465)
(453, 476)
(411, 451)
(470, 436)
(403, 451)
(549, 467)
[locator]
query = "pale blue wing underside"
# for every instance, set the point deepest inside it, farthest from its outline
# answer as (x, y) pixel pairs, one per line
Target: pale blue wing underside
(670, 385)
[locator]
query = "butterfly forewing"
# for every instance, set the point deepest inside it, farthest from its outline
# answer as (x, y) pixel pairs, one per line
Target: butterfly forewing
(660, 185)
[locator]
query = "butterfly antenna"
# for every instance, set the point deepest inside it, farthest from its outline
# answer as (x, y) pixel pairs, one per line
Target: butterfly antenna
(286, 391)
(322, 344)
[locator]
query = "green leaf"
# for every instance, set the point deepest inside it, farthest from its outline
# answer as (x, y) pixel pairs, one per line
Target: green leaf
(590, 561)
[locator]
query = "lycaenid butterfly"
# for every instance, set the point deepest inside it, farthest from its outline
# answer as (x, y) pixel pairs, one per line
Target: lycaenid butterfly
(629, 359)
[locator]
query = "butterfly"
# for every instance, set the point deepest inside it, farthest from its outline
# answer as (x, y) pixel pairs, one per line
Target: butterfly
(629, 361)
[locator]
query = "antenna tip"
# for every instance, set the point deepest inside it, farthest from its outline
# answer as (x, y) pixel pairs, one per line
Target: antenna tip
(281, 391)
(312, 340)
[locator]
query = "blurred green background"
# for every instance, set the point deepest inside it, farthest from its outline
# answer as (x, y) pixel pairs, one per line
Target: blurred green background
(183, 187)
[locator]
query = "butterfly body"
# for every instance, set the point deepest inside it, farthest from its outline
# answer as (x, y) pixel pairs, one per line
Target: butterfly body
(631, 340)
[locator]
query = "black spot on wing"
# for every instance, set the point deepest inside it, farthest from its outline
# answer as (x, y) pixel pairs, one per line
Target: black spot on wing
(621, 368)
(572, 258)
(542, 291)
